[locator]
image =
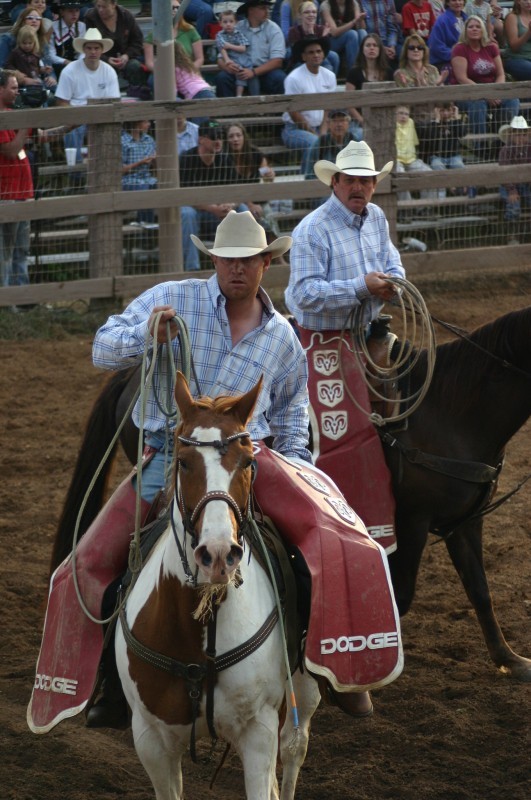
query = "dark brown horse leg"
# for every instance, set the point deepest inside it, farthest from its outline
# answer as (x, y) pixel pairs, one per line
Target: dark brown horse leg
(465, 549)
(411, 536)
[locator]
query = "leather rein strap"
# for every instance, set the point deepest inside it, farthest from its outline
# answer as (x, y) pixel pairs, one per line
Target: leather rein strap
(470, 471)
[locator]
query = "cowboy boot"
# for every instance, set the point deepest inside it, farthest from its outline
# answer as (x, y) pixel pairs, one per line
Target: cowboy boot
(111, 710)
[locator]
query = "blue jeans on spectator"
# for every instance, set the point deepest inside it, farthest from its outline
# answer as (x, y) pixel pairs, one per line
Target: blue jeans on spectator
(270, 83)
(518, 68)
(146, 215)
(302, 141)
(477, 111)
(200, 223)
(446, 162)
(201, 14)
(14, 251)
(348, 43)
(75, 138)
(513, 208)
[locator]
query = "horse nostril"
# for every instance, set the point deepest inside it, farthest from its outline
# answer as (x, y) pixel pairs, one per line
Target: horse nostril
(235, 555)
(202, 555)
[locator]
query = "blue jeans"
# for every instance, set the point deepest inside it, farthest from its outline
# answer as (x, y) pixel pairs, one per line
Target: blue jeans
(146, 215)
(513, 209)
(302, 141)
(348, 43)
(446, 162)
(270, 83)
(477, 110)
(201, 14)
(200, 223)
(14, 251)
(75, 138)
(518, 68)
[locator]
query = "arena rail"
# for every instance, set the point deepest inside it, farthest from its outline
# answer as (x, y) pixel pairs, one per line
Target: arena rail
(102, 204)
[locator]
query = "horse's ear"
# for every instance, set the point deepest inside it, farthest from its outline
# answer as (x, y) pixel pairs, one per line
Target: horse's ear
(245, 404)
(183, 398)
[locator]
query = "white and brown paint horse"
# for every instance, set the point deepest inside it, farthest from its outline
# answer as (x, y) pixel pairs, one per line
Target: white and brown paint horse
(177, 693)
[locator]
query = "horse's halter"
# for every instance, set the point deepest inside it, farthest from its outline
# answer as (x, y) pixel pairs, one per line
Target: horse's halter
(190, 518)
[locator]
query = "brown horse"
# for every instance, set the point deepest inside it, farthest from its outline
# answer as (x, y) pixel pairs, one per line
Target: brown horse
(444, 466)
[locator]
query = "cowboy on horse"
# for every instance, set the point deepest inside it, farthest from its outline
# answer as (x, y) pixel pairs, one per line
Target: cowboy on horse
(236, 336)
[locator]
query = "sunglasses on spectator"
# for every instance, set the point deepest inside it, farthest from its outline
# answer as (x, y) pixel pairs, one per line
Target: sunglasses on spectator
(415, 47)
(33, 17)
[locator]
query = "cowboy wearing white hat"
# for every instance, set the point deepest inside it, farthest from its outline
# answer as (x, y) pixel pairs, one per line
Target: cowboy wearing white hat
(342, 256)
(92, 36)
(240, 237)
(516, 150)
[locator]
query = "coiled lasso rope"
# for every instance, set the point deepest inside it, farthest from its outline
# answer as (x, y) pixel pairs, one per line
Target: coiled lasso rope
(170, 412)
(417, 328)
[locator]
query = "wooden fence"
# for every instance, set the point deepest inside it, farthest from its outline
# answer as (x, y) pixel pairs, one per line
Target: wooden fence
(105, 203)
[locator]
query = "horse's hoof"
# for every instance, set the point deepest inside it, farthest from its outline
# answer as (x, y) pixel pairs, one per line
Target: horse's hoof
(355, 704)
(104, 714)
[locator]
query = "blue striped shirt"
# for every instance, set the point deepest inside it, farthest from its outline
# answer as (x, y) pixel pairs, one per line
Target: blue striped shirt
(333, 249)
(271, 350)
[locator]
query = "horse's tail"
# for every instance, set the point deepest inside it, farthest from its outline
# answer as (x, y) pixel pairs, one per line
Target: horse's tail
(100, 428)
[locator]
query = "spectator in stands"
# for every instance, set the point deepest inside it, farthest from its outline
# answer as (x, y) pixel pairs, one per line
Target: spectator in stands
(66, 28)
(445, 33)
(250, 165)
(438, 7)
(233, 45)
(205, 165)
(139, 152)
(517, 57)
(418, 17)
(440, 140)
(267, 50)
(302, 129)
(307, 26)
(41, 9)
(201, 15)
(516, 138)
(415, 68)
(329, 144)
(25, 60)
(345, 20)
(407, 159)
(477, 60)
(16, 185)
(88, 78)
(483, 9)
(187, 130)
(372, 66)
(8, 41)
(290, 14)
(116, 23)
(381, 18)
(185, 34)
(189, 83)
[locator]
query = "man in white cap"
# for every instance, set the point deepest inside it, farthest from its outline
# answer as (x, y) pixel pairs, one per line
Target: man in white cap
(236, 337)
(341, 257)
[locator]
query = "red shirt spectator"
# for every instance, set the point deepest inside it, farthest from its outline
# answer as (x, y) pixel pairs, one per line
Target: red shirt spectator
(418, 17)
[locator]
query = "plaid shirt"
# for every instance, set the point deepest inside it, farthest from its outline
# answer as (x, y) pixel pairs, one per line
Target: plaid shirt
(133, 151)
(333, 249)
(271, 350)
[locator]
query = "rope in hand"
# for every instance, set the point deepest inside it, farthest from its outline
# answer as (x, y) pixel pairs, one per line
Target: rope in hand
(412, 306)
(146, 382)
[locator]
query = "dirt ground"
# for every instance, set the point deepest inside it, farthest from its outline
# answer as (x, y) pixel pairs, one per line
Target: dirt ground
(450, 728)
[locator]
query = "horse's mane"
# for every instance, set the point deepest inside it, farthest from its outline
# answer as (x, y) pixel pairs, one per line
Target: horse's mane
(462, 366)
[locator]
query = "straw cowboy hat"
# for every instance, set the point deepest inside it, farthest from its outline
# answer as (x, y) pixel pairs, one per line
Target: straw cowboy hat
(92, 36)
(518, 124)
(239, 236)
(355, 159)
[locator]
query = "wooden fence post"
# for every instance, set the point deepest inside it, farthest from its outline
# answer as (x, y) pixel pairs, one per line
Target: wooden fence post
(379, 133)
(105, 175)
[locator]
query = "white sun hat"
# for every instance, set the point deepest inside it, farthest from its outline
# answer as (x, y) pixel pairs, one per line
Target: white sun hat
(239, 236)
(92, 36)
(356, 158)
(516, 124)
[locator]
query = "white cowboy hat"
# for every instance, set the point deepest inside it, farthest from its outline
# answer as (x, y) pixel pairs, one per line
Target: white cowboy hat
(92, 36)
(355, 159)
(516, 124)
(241, 227)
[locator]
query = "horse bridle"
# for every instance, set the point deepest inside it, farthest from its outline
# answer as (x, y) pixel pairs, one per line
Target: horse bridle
(189, 519)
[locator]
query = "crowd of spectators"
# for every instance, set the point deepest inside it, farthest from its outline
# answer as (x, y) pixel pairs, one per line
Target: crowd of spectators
(289, 47)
